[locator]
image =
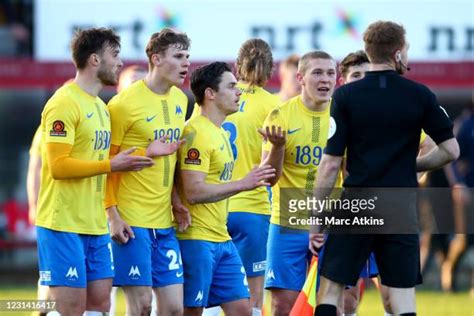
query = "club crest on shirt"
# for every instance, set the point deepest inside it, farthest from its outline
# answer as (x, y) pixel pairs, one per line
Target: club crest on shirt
(58, 129)
(192, 157)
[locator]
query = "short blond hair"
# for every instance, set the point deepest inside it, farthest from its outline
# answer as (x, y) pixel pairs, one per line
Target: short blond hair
(318, 54)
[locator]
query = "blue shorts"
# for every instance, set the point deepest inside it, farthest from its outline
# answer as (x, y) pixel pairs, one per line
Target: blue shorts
(152, 259)
(71, 259)
(249, 233)
(288, 258)
(213, 273)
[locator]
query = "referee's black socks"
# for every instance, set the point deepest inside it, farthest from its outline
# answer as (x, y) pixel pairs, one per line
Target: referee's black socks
(325, 310)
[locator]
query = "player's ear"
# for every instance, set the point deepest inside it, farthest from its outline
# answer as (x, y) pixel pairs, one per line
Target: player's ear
(155, 59)
(398, 56)
(94, 59)
(299, 77)
(341, 80)
(209, 93)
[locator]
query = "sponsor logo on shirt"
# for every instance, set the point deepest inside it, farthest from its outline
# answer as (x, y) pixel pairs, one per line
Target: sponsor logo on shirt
(150, 118)
(291, 131)
(192, 157)
(58, 129)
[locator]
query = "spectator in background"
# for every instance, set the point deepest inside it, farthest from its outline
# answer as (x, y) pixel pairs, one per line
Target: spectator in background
(129, 75)
(15, 34)
(463, 198)
(289, 84)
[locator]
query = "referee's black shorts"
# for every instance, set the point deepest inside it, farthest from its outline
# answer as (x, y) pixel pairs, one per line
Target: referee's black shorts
(397, 257)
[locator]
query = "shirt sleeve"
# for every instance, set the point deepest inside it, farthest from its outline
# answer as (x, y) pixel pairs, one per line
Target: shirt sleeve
(336, 144)
(60, 118)
(274, 118)
(120, 119)
(436, 121)
(195, 153)
(35, 149)
(63, 166)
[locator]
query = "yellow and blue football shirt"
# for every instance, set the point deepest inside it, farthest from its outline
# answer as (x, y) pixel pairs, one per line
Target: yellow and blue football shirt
(140, 116)
(307, 135)
(74, 117)
(207, 149)
(246, 144)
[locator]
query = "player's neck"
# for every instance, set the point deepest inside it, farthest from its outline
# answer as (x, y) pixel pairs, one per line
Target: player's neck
(213, 114)
(381, 67)
(157, 84)
(313, 105)
(283, 95)
(88, 82)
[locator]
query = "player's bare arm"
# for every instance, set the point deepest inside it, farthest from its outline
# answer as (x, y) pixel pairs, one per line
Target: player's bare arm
(196, 190)
(180, 211)
(444, 153)
(327, 175)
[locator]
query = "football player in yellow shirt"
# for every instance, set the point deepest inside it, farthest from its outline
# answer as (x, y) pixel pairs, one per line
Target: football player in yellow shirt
(214, 274)
(289, 85)
(150, 111)
(249, 211)
(306, 120)
(74, 249)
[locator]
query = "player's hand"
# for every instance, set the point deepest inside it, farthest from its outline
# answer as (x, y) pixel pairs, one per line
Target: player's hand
(274, 135)
(316, 241)
(120, 231)
(124, 161)
(181, 215)
(160, 147)
(258, 177)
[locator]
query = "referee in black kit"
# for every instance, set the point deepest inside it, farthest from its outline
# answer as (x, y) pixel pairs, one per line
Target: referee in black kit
(379, 120)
